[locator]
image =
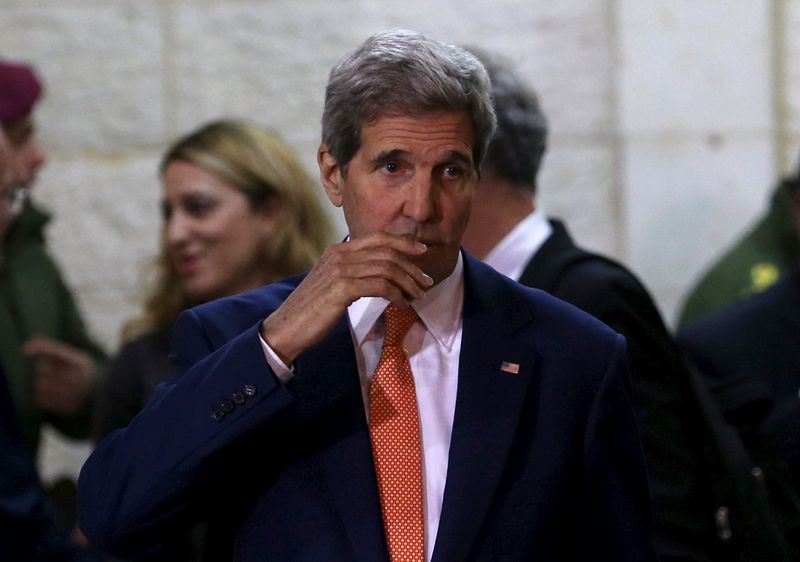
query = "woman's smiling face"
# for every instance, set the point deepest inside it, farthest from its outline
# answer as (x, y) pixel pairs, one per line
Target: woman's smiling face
(214, 237)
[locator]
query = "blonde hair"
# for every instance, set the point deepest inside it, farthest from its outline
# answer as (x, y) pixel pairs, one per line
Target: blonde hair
(264, 168)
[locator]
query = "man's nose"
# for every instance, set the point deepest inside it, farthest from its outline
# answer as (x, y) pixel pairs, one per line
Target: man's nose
(422, 203)
(38, 154)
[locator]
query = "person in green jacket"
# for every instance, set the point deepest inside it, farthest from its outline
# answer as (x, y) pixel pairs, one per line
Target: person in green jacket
(51, 364)
(755, 262)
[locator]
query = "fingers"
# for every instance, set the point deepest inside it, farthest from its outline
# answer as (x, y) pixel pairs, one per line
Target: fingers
(386, 265)
(404, 244)
(48, 395)
(64, 375)
(60, 392)
(45, 348)
(377, 265)
(382, 255)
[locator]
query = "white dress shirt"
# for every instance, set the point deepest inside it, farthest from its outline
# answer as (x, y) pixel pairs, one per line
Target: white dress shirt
(433, 345)
(518, 247)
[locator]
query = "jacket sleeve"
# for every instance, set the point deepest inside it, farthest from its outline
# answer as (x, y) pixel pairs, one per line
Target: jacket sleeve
(664, 406)
(618, 514)
(73, 332)
(184, 446)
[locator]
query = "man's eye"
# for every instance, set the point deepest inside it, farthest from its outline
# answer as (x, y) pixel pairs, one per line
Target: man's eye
(453, 171)
(391, 167)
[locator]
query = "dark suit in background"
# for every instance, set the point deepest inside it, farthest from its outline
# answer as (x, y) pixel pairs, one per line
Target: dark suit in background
(508, 231)
(749, 354)
(669, 421)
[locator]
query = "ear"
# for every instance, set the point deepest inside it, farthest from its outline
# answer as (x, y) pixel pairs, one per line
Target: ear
(330, 173)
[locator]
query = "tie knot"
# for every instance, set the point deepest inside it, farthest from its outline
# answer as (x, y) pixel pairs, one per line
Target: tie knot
(398, 322)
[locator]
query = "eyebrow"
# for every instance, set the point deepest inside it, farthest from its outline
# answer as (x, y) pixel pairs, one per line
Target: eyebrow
(452, 156)
(460, 157)
(388, 155)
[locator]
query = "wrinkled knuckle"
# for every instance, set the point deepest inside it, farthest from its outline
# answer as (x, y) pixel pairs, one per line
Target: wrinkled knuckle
(337, 270)
(385, 268)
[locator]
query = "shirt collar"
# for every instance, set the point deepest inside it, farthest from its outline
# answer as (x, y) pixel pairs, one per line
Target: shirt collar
(513, 252)
(439, 310)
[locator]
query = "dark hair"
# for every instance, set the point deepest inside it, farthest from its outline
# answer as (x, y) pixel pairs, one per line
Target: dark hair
(516, 151)
(403, 73)
(793, 182)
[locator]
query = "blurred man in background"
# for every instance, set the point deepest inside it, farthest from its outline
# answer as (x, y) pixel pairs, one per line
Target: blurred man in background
(51, 364)
(509, 232)
(28, 528)
(766, 253)
(749, 354)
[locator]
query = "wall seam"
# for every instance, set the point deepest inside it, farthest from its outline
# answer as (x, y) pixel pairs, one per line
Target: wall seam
(780, 109)
(618, 199)
(168, 69)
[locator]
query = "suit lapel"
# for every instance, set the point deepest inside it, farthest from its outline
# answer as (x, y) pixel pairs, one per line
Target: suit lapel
(488, 405)
(542, 271)
(328, 390)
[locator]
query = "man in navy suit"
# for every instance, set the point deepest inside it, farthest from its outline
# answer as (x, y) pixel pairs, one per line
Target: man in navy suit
(528, 446)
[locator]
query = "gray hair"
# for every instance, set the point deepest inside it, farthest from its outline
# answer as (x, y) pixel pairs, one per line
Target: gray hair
(404, 73)
(516, 151)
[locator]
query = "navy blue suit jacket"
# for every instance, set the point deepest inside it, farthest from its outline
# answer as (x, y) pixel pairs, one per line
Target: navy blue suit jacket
(544, 465)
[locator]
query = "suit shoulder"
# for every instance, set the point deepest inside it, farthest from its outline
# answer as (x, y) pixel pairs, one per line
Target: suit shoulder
(555, 313)
(239, 312)
(740, 321)
(593, 271)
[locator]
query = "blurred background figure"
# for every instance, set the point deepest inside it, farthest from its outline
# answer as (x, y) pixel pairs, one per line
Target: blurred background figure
(239, 211)
(749, 353)
(51, 364)
(511, 233)
(29, 530)
(766, 253)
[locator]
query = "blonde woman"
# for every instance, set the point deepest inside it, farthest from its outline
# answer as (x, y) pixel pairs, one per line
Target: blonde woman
(239, 211)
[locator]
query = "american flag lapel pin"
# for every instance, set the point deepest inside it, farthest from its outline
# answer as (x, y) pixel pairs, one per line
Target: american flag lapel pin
(511, 368)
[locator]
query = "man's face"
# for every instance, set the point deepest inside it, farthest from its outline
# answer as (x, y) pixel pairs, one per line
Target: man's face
(412, 176)
(27, 154)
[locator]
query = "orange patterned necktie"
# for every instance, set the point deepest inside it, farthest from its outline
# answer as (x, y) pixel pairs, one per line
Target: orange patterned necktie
(394, 431)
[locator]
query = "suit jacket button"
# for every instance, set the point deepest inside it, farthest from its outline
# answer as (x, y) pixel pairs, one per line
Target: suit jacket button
(227, 406)
(249, 390)
(217, 415)
(238, 398)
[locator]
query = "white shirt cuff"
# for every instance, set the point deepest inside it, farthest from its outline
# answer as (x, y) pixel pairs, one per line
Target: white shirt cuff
(278, 367)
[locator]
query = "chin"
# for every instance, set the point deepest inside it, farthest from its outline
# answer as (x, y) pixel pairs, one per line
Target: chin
(439, 264)
(198, 294)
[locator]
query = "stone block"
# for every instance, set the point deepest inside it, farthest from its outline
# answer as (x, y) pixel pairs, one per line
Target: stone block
(791, 39)
(700, 67)
(687, 201)
(101, 63)
(105, 227)
(577, 184)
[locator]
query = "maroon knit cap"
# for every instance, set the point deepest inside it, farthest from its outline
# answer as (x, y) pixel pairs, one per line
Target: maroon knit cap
(19, 91)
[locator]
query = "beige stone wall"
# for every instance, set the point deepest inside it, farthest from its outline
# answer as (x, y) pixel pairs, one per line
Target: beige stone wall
(670, 118)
